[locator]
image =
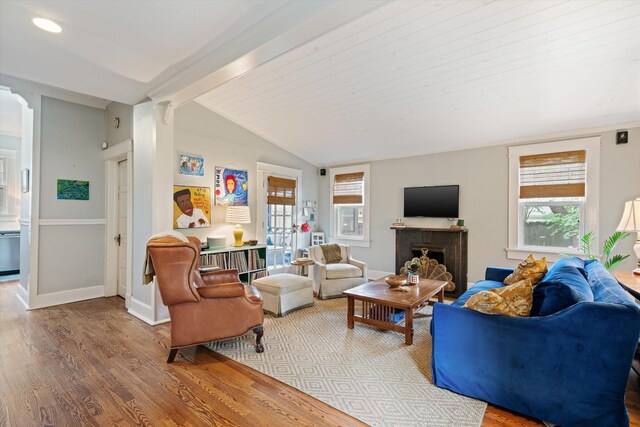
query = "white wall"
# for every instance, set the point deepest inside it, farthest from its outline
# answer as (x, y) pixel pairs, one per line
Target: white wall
(482, 176)
(223, 143)
(125, 131)
(71, 256)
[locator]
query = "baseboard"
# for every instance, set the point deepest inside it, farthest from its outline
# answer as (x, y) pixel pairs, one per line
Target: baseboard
(65, 297)
(23, 296)
(144, 312)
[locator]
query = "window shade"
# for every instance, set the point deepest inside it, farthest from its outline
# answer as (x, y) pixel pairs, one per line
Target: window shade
(281, 191)
(553, 175)
(348, 188)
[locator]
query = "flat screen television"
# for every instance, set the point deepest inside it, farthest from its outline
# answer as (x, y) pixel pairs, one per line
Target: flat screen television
(433, 202)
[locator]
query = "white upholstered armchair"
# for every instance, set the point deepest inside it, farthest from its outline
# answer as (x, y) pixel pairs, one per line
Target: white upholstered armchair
(329, 280)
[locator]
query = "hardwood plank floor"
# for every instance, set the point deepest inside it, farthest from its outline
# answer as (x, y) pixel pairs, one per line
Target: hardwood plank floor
(92, 364)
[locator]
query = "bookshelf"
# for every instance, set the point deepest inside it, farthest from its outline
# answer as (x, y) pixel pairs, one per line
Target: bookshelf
(249, 260)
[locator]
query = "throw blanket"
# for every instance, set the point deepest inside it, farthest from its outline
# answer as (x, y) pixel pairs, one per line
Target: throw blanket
(331, 253)
(148, 270)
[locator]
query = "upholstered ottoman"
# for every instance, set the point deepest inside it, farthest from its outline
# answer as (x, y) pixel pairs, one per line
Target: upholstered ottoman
(284, 293)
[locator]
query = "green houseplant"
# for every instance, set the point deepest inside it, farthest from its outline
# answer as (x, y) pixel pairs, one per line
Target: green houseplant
(608, 260)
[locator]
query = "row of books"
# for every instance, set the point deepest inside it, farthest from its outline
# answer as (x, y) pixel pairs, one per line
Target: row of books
(214, 260)
(239, 261)
(255, 262)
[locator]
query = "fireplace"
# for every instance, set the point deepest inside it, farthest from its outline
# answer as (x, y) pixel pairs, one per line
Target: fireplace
(446, 246)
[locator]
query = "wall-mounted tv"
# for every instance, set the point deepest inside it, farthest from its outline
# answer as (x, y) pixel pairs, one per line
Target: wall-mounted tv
(433, 202)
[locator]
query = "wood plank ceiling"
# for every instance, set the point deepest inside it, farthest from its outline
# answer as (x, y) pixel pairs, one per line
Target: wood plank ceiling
(415, 77)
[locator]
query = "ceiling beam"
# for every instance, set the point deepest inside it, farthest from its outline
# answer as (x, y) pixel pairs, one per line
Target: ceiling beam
(337, 14)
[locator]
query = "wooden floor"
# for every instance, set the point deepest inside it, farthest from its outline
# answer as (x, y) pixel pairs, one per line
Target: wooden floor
(92, 364)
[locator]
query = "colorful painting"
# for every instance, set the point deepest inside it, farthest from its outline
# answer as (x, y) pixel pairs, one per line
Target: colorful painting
(191, 207)
(69, 189)
(191, 165)
(231, 187)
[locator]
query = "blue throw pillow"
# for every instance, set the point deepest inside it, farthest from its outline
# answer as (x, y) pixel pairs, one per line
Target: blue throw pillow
(604, 286)
(564, 285)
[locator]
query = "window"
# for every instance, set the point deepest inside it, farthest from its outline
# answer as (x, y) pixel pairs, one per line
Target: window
(553, 196)
(350, 204)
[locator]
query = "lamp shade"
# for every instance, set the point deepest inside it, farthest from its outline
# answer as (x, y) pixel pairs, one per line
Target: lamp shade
(631, 217)
(238, 215)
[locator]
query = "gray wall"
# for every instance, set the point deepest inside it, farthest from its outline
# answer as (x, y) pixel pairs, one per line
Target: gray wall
(125, 131)
(223, 143)
(483, 178)
(71, 256)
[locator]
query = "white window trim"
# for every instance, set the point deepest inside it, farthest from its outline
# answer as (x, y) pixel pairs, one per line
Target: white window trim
(592, 147)
(352, 241)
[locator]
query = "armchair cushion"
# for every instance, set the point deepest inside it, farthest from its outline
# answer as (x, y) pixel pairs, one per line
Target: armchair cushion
(226, 290)
(342, 271)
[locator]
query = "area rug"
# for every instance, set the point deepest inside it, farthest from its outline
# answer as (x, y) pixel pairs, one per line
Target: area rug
(367, 373)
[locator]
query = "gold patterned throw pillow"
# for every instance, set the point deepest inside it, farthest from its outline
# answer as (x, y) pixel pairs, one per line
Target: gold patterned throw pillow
(514, 300)
(528, 269)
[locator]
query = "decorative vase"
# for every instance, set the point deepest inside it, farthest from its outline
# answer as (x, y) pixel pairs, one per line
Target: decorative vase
(413, 279)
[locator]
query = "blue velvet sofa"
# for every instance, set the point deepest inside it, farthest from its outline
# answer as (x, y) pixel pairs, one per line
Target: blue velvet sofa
(567, 364)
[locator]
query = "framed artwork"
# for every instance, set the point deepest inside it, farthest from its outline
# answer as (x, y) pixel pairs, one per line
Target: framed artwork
(68, 189)
(231, 187)
(190, 165)
(191, 207)
(317, 238)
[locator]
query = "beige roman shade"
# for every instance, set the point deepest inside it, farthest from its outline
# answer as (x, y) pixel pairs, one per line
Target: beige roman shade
(553, 175)
(281, 191)
(348, 188)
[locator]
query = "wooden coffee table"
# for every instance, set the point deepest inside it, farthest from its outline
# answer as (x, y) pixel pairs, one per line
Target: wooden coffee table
(379, 302)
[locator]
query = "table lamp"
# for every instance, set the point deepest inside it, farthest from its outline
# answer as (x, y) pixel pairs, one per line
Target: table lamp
(631, 222)
(238, 215)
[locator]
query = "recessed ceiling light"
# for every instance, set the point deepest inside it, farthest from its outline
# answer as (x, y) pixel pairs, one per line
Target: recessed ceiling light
(47, 25)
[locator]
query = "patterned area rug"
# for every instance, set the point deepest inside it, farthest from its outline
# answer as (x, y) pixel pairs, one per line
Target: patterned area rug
(368, 373)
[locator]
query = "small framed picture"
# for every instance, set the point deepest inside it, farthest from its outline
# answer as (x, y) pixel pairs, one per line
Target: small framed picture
(317, 238)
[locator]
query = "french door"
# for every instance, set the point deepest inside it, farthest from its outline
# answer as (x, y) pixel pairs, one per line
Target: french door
(278, 214)
(281, 235)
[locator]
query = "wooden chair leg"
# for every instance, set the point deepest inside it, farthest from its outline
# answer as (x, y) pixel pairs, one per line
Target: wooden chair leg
(172, 355)
(259, 331)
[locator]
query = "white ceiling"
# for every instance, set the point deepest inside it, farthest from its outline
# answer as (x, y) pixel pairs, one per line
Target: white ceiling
(425, 76)
(10, 114)
(125, 50)
(343, 81)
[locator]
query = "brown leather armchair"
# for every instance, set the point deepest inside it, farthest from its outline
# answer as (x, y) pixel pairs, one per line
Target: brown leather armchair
(202, 308)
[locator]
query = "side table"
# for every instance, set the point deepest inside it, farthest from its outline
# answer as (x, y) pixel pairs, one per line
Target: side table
(631, 283)
(302, 264)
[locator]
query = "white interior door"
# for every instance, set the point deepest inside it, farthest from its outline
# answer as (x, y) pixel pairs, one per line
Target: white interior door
(122, 228)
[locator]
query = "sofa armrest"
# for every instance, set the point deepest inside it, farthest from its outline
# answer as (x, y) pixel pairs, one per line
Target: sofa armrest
(570, 368)
(319, 274)
(361, 265)
(497, 274)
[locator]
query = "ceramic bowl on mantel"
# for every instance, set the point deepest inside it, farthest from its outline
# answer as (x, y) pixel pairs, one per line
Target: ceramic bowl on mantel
(396, 281)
